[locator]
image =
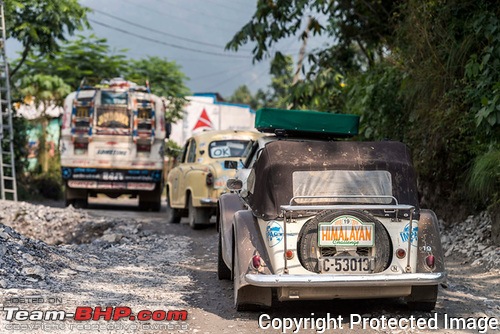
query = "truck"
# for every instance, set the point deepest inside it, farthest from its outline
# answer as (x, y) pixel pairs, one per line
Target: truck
(112, 143)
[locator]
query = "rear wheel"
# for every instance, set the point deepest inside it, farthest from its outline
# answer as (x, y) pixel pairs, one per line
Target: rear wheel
(223, 272)
(198, 217)
(309, 252)
(173, 215)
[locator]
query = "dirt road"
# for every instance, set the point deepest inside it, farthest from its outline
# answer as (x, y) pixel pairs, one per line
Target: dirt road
(154, 266)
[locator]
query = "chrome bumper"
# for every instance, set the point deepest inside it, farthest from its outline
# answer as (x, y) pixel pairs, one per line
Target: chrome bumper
(322, 280)
(208, 200)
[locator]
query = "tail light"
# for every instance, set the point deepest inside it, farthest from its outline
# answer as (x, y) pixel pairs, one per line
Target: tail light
(143, 148)
(400, 253)
(430, 261)
(289, 254)
(81, 147)
(256, 261)
(209, 179)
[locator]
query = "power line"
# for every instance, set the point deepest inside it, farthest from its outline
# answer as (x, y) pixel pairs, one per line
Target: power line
(157, 31)
(230, 78)
(167, 44)
(156, 11)
(203, 13)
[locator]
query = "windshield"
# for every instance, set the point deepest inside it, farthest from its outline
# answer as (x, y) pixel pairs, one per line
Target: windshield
(112, 113)
(228, 148)
(343, 183)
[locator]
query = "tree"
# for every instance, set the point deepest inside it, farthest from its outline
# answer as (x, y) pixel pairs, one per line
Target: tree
(87, 57)
(42, 24)
(45, 91)
(166, 80)
(243, 95)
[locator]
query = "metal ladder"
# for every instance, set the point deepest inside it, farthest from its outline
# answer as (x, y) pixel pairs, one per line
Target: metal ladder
(8, 187)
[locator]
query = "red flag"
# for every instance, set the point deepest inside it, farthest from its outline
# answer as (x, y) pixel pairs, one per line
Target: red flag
(203, 121)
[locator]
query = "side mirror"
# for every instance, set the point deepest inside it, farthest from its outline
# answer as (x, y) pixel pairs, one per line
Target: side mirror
(234, 184)
(228, 164)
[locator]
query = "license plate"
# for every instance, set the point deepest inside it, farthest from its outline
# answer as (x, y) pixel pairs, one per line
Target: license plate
(346, 231)
(347, 264)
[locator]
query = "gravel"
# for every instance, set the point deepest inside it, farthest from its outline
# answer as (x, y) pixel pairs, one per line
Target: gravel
(70, 255)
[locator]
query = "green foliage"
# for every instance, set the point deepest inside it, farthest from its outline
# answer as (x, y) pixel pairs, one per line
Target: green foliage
(42, 24)
(44, 90)
(243, 95)
(85, 57)
(482, 71)
(375, 96)
(485, 176)
(172, 149)
(165, 77)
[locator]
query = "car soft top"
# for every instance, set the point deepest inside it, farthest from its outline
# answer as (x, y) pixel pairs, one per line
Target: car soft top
(270, 183)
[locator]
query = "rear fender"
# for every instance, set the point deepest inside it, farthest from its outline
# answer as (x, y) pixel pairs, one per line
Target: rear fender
(429, 242)
(248, 242)
(227, 206)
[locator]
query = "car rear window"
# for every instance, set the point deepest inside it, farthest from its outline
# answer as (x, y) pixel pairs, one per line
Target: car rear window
(342, 183)
(227, 148)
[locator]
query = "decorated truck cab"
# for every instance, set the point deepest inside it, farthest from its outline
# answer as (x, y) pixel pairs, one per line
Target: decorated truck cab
(112, 140)
(317, 218)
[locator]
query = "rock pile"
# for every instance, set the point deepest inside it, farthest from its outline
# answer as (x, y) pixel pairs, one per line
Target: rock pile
(471, 239)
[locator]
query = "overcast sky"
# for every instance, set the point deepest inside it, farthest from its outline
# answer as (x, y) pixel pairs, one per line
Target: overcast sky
(192, 33)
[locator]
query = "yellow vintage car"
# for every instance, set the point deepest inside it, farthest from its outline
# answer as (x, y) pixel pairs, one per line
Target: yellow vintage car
(207, 161)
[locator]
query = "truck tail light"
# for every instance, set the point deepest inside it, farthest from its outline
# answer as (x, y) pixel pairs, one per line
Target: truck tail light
(81, 147)
(289, 254)
(209, 179)
(143, 148)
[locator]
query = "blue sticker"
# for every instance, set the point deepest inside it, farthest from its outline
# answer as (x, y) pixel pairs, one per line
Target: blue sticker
(274, 233)
(405, 235)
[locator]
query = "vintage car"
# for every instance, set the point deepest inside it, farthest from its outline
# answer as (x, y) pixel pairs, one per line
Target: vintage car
(327, 219)
(199, 177)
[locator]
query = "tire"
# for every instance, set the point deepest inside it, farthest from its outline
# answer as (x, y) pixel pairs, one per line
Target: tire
(150, 200)
(81, 203)
(309, 252)
(223, 272)
(198, 217)
(173, 216)
(422, 298)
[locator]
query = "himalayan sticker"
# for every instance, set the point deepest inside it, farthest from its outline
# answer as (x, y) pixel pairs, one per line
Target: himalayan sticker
(405, 235)
(274, 233)
(346, 231)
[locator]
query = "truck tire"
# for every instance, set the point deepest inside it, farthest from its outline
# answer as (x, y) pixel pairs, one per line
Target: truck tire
(150, 200)
(309, 252)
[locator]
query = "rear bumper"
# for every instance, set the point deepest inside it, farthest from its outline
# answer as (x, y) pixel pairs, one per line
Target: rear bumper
(321, 280)
(208, 201)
